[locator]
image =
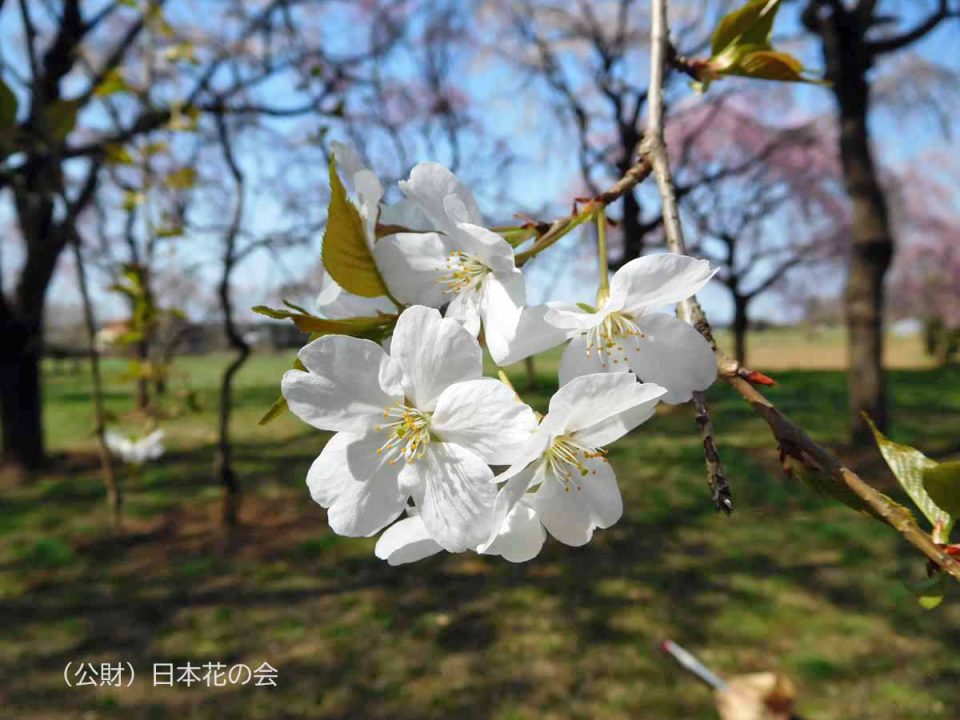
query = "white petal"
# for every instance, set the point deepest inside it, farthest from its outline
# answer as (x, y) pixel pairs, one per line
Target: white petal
(507, 499)
(655, 280)
(429, 185)
(599, 408)
(411, 265)
(501, 303)
(458, 496)
(348, 161)
(486, 417)
(465, 309)
(521, 536)
(534, 335)
(363, 497)
(434, 353)
(572, 317)
(576, 362)
(329, 473)
(406, 214)
(336, 303)
(485, 245)
(347, 385)
(674, 355)
(572, 513)
(406, 541)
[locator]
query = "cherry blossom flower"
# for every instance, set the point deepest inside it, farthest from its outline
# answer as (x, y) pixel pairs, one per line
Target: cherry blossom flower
(419, 424)
(624, 333)
(135, 451)
(576, 489)
(462, 265)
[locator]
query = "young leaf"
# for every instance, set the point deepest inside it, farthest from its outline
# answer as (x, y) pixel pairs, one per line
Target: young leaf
(771, 65)
(909, 466)
(8, 106)
(751, 24)
(278, 408)
(182, 179)
(280, 404)
(113, 82)
(942, 482)
(929, 592)
(362, 327)
(61, 118)
(346, 255)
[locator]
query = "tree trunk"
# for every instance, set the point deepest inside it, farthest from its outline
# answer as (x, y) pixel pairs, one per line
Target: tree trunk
(531, 367)
(633, 235)
(848, 62)
(740, 328)
(223, 463)
(870, 258)
(21, 408)
(143, 382)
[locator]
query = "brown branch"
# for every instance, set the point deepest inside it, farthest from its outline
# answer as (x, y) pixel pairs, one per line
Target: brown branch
(796, 443)
(791, 439)
(557, 229)
(716, 478)
(898, 42)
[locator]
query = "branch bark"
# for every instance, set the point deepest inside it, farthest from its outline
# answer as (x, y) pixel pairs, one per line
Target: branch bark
(792, 440)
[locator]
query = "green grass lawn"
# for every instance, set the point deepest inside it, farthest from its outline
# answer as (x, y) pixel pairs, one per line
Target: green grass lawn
(790, 581)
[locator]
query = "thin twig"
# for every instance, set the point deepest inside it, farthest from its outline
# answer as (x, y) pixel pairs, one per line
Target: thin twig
(717, 479)
(557, 229)
(114, 494)
(689, 310)
(792, 440)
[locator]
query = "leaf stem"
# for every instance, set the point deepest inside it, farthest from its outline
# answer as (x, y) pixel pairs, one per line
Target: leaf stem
(604, 290)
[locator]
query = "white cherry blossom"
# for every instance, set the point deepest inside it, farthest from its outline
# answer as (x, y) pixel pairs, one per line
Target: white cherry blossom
(462, 265)
(418, 424)
(625, 333)
(576, 489)
(135, 451)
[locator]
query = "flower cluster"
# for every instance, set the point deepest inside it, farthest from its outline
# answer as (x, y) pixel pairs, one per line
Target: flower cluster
(135, 450)
(419, 432)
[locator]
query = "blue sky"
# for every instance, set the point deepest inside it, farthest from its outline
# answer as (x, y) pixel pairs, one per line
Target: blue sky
(544, 175)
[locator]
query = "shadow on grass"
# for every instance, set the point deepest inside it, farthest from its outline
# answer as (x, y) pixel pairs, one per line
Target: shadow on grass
(789, 581)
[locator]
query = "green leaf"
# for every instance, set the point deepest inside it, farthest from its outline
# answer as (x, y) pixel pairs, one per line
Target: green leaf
(929, 592)
(826, 484)
(112, 83)
(909, 466)
(181, 179)
(8, 106)
(275, 411)
(346, 254)
(771, 65)
(118, 155)
(61, 117)
(363, 327)
(753, 24)
(280, 404)
(942, 482)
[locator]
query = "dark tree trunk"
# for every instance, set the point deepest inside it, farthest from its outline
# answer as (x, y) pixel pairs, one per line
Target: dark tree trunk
(143, 382)
(21, 407)
(223, 462)
(848, 61)
(633, 232)
(740, 327)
